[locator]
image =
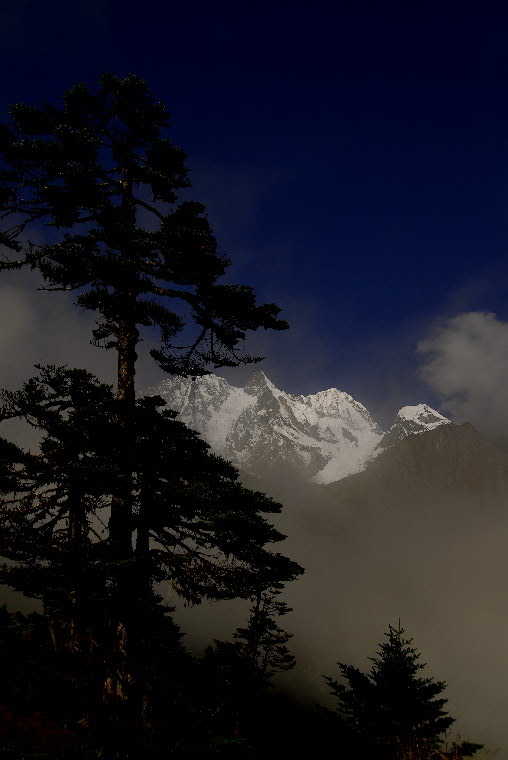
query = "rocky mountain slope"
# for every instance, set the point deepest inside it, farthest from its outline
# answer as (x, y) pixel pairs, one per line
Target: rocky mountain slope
(451, 460)
(326, 436)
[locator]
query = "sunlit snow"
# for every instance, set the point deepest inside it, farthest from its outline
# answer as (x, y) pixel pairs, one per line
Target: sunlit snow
(326, 435)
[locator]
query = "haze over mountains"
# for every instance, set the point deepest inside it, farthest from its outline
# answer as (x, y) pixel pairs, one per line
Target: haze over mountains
(326, 436)
(408, 522)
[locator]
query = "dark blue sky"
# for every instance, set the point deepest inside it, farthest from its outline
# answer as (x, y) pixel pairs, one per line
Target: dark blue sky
(355, 166)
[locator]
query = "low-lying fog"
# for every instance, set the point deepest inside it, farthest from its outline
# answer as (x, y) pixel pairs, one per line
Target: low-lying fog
(439, 564)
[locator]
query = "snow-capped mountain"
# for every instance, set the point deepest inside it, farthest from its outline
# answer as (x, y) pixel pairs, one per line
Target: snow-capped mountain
(411, 420)
(326, 435)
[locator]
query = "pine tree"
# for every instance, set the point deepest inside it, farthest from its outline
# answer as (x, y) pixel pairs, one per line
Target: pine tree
(394, 712)
(263, 641)
(196, 528)
(101, 173)
(100, 176)
(236, 674)
(195, 525)
(50, 499)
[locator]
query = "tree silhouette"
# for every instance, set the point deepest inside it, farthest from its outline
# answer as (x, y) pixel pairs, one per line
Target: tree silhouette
(392, 710)
(100, 177)
(195, 528)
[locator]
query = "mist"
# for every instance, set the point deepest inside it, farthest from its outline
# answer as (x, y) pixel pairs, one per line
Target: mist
(435, 561)
(42, 327)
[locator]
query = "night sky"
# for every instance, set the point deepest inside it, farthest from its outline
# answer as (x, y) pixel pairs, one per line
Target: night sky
(354, 166)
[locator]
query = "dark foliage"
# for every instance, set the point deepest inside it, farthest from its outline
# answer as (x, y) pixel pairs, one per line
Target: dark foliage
(234, 675)
(120, 495)
(193, 526)
(100, 171)
(392, 712)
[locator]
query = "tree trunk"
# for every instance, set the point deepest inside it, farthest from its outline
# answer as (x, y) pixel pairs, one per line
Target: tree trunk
(127, 337)
(120, 524)
(119, 686)
(78, 537)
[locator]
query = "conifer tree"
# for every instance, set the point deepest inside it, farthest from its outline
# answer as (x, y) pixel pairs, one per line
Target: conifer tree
(101, 173)
(196, 528)
(394, 712)
(100, 177)
(195, 525)
(49, 499)
(262, 640)
(236, 673)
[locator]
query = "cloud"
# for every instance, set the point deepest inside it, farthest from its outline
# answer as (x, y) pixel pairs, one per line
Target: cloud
(41, 327)
(465, 362)
(38, 327)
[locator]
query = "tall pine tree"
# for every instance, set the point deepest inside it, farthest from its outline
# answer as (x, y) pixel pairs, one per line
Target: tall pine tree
(100, 176)
(101, 173)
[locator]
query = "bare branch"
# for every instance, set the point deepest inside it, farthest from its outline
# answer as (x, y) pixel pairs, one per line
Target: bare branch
(149, 208)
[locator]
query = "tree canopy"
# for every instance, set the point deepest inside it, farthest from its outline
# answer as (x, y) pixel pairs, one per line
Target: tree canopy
(101, 173)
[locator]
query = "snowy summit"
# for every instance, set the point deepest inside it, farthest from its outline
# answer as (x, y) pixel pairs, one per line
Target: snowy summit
(326, 435)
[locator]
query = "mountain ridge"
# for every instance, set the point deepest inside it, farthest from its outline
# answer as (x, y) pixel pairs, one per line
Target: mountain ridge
(327, 435)
(447, 459)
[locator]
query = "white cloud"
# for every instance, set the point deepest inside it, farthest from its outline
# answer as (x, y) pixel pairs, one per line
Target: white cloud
(466, 364)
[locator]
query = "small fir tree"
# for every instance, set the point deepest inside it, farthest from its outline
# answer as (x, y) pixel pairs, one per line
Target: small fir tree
(263, 641)
(236, 674)
(393, 711)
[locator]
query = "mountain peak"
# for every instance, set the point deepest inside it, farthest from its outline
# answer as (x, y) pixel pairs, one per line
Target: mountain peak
(326, 436)
(422, 415)
(257, 383)
(412, 420)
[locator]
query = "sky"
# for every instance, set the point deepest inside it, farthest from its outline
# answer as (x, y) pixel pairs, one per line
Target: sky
(354, 164)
